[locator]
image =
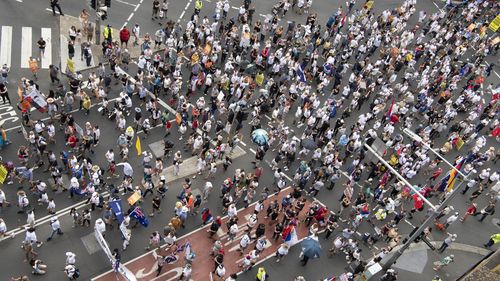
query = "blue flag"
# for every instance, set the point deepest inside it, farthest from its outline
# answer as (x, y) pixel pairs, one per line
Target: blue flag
(116, 207)
(139, 215)
(300, 73)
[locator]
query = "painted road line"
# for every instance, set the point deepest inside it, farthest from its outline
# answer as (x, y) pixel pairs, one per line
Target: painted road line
(493, 70)
(72, 111)
(6, 45)
(50, 10)
(441, 10)
(26, 46)
(168, 172)
(47, 56)
(126, 3)
(144, 266)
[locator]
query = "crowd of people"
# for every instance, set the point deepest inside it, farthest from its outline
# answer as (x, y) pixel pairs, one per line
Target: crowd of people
(222, 75)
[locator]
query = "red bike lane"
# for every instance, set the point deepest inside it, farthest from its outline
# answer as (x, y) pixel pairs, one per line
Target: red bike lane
(144, 267)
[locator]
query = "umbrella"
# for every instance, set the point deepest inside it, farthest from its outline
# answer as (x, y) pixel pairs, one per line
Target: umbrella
(260, 137)
(309, 143)
(311, 248)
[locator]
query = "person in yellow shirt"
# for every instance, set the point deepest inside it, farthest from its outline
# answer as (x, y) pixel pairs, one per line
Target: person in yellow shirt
(33, 65)
(197, 6)
(261, 274)
(495, 238)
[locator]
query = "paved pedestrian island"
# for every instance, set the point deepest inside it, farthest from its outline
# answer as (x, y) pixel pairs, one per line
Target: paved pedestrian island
(144, 267)
(188, 165)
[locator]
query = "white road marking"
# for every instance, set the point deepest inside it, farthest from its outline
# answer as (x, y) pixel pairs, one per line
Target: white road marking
(253, 151)
(184, 12)
(126, 3)
(26, 46)
(131, 14)
(47, 57)
(484, 61)
(50, 10)
(6, 46)
(437, 6)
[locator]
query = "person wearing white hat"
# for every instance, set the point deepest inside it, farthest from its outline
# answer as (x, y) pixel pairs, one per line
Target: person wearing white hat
(100, 226)
(70, 258)
(56, 227)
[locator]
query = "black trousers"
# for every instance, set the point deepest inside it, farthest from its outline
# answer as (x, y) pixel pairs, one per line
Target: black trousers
(58, 8)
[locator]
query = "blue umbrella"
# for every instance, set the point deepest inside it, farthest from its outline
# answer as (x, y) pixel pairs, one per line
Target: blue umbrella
(260, 137)
(311, 248)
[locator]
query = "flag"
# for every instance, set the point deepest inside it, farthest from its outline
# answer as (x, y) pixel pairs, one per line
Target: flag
(291, 236)
(333, 110)
(70, 67)
(116, 207)
(441, 187)
(389, 112)
(134, 198)
(453, 175)
(138, 145)
(139, 215)
(300, 73)
(3, 174)
(187, 249)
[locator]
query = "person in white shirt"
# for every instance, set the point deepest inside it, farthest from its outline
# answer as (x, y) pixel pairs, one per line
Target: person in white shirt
(100, 226)
(3, 229)
(56, 227)
(282, 251)
(70, 258)
(245, 240)
(31, 237)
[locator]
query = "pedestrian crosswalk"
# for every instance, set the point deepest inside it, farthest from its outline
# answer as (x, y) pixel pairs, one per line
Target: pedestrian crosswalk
(11, 44)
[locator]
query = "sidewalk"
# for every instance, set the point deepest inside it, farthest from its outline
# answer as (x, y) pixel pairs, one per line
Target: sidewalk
(64, 25)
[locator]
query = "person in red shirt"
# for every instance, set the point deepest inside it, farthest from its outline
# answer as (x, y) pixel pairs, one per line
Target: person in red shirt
(124, 36)
(72, 141)
(470, 211)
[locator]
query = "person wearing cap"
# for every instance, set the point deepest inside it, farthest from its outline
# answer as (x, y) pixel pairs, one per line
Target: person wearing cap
(108, 34)
(56, 227)
(444, 262)
(447, 242)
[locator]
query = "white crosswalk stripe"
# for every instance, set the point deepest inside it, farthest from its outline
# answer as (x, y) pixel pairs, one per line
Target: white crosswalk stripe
(27, 45)
(6, 45)
(47, 56)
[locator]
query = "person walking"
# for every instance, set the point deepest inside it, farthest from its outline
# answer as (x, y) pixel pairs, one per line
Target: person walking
(4, 93)
(451, 219)
(56, 227)
(55, 4)
(447, 242)
(33, 66)
(54, 73)
(261, 274)
(487, 211)
(495, 238)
